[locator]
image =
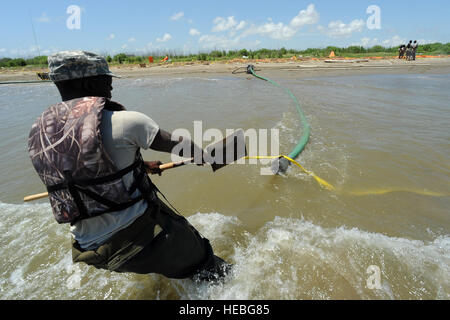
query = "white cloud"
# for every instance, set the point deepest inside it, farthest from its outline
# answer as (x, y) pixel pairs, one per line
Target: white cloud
(124, 46)
(43, 18)
(367, 42)
(177, 16)
(194, 32)
(166, 37)
(273, 30)
(394, 41)
(224, 42)
(391, 42)
(222, 24)
(305, 17)
(237, 30)
(338, 29)
(241, 25)
(281, 31)
(111, 36)
(225, 24)
(132, 40)
(213, 41)
(2, 49)
(34, 48)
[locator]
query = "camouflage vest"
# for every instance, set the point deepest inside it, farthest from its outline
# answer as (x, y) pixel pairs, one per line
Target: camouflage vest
(66, 149)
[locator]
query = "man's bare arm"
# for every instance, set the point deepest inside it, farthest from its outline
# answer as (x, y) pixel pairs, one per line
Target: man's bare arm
(163, 142)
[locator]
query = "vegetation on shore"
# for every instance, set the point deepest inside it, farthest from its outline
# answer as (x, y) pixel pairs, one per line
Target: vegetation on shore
(222, 55)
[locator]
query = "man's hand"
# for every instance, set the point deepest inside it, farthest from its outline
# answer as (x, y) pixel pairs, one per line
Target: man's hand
(152, 167)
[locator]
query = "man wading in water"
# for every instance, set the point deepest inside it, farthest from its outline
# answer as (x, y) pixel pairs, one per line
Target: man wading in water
(86, 151)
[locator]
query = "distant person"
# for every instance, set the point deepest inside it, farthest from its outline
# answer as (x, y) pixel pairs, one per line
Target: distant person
(86, 150)
(401, 51)
(409, 50)
(414, 47)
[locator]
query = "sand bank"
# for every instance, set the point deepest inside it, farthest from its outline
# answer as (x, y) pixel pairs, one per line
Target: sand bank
(279, 67)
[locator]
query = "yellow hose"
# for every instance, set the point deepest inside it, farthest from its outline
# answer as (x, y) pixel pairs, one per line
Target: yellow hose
(330, 187)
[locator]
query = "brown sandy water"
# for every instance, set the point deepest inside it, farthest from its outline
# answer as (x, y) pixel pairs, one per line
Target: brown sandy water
(381, 140)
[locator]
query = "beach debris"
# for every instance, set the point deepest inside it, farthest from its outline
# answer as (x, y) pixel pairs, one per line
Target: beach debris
(43, 75)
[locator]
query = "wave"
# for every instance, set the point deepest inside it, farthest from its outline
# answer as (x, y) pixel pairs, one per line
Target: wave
(287, 258)
(294, 259)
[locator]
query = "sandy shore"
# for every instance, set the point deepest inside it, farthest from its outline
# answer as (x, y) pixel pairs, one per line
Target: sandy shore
(282, 68)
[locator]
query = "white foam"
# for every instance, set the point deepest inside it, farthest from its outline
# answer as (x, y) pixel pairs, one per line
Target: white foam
(295, 259)
(287, 258)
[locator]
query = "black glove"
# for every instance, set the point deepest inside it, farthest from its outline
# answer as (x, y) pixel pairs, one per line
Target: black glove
(152, 167)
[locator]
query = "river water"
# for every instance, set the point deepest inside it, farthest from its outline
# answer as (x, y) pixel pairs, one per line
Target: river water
(383, 142)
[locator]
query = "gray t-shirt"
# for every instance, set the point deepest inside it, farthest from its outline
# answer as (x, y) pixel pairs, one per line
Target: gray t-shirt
(123, 132)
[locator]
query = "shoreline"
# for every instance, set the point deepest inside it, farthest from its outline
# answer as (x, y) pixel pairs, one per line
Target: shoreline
(284, 68)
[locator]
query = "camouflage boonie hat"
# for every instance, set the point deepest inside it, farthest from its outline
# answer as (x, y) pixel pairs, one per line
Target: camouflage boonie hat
(69, 65)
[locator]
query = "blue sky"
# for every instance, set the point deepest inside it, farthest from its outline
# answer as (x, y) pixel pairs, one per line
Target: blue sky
(110, 27)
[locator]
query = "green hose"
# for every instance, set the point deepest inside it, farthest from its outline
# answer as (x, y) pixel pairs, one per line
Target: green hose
(305, 136)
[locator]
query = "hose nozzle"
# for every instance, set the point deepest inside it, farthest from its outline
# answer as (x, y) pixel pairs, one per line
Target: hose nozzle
(279, 165)
(250, 69)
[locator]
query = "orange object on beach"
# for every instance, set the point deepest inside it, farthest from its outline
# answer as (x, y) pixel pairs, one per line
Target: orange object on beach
(165, 59)
(427, 56)
(150, 59)
(332, 55)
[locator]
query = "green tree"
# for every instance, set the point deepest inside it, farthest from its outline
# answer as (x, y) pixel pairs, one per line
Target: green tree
(37, 61)
(201, 56)
(243, 52)
(215, 54)
(377, 49)
(446, 48)
(17, 63)
(355, 49)
(4, 62)
(120, 58)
